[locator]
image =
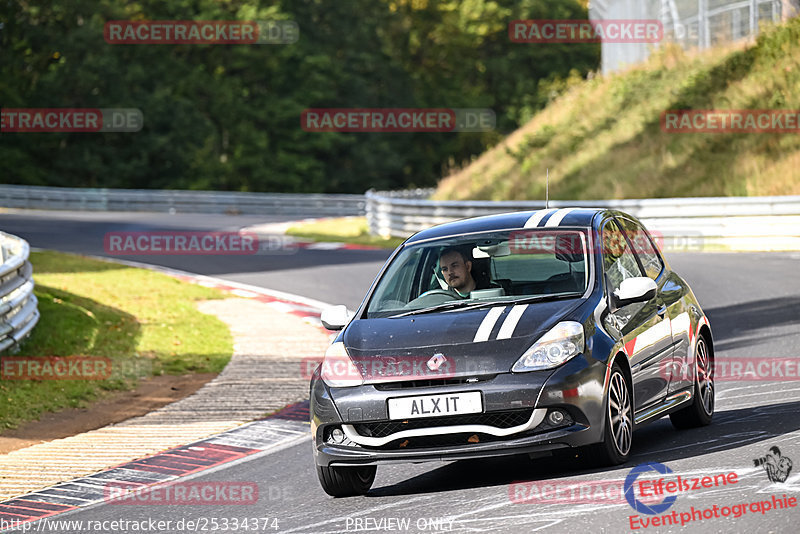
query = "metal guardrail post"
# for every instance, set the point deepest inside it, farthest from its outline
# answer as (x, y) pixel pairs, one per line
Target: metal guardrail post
(18, 304)
(702, 24)
(710, 16)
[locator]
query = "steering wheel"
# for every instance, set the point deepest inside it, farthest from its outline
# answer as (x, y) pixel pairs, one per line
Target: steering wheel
(432, 298)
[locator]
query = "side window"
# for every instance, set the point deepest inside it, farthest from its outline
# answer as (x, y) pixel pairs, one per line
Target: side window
(643, 248)
(619, 263)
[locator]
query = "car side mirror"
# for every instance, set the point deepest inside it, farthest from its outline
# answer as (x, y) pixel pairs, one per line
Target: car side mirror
(638, 289)
(335, 317)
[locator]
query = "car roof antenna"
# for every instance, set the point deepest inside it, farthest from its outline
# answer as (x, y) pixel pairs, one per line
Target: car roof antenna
(547, 190)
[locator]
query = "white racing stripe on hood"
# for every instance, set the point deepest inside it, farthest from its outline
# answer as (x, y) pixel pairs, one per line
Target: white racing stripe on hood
(485, 329)
(558, 216)
(507, 329)
(537, 217)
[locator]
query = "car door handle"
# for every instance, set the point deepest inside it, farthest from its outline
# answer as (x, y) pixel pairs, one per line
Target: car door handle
(662, 311)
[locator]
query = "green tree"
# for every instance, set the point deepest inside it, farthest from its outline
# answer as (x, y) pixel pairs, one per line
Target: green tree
(228, 116)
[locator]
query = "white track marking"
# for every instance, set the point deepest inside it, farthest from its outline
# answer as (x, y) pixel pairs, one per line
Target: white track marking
(360, 512)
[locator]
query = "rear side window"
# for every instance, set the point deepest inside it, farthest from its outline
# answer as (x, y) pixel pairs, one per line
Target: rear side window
(619, 263)
(643, 247)
(533, 268)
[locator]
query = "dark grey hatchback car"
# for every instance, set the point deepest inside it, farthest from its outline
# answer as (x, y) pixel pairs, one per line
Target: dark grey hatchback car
(519, 333)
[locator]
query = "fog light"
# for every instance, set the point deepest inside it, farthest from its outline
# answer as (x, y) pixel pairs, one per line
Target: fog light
(337, 435)
(556, 417)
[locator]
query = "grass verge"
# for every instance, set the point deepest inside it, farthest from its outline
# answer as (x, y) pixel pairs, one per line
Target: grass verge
(603, 138)
(145, 322)
(342, 230)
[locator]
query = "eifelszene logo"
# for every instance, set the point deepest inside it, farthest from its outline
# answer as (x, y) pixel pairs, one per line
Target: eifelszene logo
(630, 495)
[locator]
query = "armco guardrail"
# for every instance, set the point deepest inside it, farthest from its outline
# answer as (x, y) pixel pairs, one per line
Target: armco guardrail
(739, 223)
(178, 201)
(18, 312)
(757, 223)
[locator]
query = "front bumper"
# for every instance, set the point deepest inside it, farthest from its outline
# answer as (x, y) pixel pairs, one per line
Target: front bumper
(329, 455)
(576, 389)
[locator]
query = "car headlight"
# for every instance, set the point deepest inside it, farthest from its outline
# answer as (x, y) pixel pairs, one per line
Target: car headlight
(338, 370)
(558, 345)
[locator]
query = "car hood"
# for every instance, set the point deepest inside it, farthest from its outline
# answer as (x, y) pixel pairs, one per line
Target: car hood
(472, 342)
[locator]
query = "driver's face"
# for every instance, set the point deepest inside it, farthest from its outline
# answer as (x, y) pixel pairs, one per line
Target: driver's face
(455, 270)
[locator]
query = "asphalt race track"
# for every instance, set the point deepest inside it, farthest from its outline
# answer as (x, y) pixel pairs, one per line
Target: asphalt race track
(327, 275)
(752, 299)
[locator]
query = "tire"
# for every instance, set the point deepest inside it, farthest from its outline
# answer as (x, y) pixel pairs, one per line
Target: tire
(700, 412)
(346, 481)
(615, 448)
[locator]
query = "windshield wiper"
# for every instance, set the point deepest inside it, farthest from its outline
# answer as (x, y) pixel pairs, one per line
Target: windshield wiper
(523, 300)
(470, 305)
(438, 307)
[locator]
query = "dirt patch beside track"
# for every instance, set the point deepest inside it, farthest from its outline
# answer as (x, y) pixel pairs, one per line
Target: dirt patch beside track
(152, 393)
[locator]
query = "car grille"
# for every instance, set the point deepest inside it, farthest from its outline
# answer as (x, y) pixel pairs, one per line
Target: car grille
(505, 419)
(407, 384)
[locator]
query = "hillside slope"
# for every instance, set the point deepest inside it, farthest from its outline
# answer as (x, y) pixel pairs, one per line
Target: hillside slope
(603, 138)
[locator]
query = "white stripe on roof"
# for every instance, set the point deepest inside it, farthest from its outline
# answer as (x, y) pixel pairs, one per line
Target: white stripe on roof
(557, 217)
(537, 217)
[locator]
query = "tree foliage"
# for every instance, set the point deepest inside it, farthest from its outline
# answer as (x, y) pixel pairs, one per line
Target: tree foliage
(227, 117)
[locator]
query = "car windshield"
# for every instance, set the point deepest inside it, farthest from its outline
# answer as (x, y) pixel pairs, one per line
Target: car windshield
(483, 270)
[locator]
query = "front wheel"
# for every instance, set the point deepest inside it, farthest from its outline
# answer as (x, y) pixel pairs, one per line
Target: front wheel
(346, 481)
(615, 448)
(700, 412)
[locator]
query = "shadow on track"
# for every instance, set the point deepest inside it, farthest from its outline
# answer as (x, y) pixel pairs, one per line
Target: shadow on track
(732, 323)
(657, 442)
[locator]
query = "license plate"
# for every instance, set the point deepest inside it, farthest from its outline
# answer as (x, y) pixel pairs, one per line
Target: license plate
(435, 405)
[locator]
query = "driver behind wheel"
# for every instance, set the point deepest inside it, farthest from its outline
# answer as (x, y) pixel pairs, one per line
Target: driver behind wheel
(456, 269)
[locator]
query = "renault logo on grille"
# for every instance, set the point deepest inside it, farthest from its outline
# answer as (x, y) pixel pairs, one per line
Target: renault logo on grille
(436, 361)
